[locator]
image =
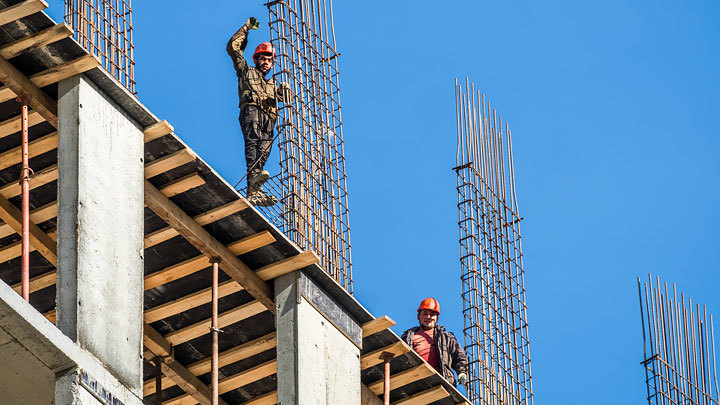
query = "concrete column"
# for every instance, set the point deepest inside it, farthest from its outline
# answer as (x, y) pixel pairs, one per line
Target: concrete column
(100, 229)
(318, 350)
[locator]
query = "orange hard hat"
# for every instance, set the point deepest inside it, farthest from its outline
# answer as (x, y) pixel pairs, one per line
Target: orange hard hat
(430, 304)
(265, 47)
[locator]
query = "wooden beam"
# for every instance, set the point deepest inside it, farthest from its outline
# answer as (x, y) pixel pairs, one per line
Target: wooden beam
(208, 245)
(182, 185)
(190, 301)
(373, 358)
(38, 239)
(266, 399)
(234, 381)
(402, 378)
(39, 282)
(14, 250)
(40, 178)
(157, 130)
(238, 353)
(161, 235)
(168, 162)
(426, 397)
(198, 263)
(20, 84)
(377, 325)
(37, 216)
(20, 10)
(55, 74)
(160, 347)
(14, 125)
(42, 38)
(37, 147)
(288, 265)
(228, 317)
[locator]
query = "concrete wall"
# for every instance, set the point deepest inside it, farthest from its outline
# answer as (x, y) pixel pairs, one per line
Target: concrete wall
(100, 229)
(318, 361)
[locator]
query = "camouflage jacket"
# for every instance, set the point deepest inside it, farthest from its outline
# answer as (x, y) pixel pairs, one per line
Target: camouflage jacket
(253, 89)
(451, 354)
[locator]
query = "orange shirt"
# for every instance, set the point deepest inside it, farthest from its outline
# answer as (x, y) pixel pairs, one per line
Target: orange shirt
(424, 345)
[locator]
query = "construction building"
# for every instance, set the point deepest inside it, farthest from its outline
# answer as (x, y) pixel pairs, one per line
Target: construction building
(133, 273)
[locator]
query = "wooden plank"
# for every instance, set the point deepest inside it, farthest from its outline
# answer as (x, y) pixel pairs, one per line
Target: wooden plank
(38, 239)
(51, 315)
(42, 38)
(190, 301)
(20, 84)
(168, 162)
(14, 250)
(37, 147)
(39, 282)
(402, 378)
(377, 325)
(426, 397)
(40, 178)
(234, 381)
(157, 130)
(208, 245)
(270, 398)
(198, 263)
(20, 10)
(182, 185)
(373, 358)
(160, 347)
(229, 317)
(238, 353)
(55, 74)
(38, 216)
(288, 265)
(213, 215)
(14, 125)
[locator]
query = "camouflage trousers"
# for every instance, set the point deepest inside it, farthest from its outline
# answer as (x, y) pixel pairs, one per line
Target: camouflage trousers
(257, 128)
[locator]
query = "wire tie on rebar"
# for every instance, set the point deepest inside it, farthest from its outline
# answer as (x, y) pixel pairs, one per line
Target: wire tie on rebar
(218, 330)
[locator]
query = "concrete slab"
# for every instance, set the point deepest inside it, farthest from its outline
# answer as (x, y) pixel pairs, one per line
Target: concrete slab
(23, 378)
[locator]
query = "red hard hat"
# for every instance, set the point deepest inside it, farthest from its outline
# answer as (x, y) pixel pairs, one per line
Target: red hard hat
(265, 47)
(430, 304)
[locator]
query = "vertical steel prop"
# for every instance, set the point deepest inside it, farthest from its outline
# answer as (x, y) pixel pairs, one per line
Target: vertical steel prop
(158, 381)
(386, 357)
(214, 330)
(25, 185)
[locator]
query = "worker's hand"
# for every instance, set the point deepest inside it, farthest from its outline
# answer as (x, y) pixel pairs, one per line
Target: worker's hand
(463, 379)
(253, 23)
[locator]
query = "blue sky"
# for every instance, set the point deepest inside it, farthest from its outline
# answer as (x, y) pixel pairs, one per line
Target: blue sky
(613, 107)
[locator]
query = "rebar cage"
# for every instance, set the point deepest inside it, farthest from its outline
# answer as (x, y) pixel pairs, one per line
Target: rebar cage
(312, 158)
(104, 28)
(494, 307)
(678, 348)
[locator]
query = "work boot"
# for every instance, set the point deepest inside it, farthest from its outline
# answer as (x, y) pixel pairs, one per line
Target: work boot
(257, 178)
(260, 199)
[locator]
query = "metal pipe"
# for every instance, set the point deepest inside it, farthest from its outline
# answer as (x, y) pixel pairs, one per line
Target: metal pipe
(386, 357)
(25, 184)
(214, 330)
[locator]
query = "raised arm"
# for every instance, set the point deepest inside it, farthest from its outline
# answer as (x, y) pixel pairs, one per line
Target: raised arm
(236, 44)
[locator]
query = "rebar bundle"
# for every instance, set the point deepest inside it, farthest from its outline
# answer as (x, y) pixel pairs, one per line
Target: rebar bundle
(312, 157)
(494, 308)
(104, 28)
(678, 348)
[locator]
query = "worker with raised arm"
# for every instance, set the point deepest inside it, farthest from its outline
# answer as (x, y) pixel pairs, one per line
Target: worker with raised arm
(436, 345)
(259, 96)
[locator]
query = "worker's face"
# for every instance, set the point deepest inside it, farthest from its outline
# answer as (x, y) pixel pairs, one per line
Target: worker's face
(264, 63)
(427, 319)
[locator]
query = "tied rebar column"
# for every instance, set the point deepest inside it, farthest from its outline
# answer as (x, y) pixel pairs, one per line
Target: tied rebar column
(678, 347)
(104, 28)
(314, 196)
(494, 307)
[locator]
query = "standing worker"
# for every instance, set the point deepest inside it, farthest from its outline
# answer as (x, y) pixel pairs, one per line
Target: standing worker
(259, 96)
(436, 345)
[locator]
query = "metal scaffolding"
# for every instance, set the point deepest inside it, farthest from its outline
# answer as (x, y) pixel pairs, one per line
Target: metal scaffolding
(104, 28)
(313, 208)
(678, 348)
(494, 308)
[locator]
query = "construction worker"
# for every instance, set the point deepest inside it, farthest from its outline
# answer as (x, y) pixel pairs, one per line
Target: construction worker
(259, 96)
(436, 345)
